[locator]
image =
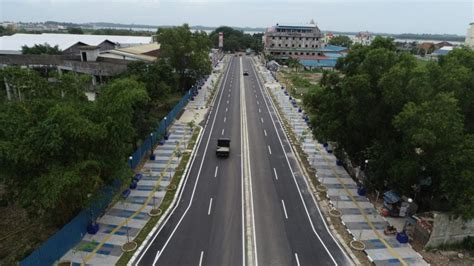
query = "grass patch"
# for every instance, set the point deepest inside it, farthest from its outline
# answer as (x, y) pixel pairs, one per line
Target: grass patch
(165, 204)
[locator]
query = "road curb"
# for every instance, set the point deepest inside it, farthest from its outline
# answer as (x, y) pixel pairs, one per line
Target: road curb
(178, 192)
(170, 207)
(328, 222)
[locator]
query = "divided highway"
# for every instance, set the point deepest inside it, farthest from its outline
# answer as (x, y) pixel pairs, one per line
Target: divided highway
(252, 208)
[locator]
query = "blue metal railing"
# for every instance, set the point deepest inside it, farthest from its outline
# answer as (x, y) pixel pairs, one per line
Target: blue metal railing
(73, 232)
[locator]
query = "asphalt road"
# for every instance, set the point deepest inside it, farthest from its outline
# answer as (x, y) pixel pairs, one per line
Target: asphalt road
(207, 227)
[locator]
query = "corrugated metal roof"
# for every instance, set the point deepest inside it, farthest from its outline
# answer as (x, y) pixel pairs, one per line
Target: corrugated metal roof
(64, 41)
(294, 25)
(318, 62)
(141, 49)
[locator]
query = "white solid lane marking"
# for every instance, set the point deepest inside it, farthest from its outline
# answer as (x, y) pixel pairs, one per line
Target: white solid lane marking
(297, 259)
(265, 132)
(276, 175)
(215, 173)
(218, 99)
(284, 209)
(210, 206)
(269, 149)
(222, 132)
(200, 259)
(248, 206)
(225, 118)
(270, 103)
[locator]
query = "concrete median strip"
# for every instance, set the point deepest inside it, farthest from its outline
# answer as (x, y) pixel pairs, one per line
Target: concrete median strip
(251, 258)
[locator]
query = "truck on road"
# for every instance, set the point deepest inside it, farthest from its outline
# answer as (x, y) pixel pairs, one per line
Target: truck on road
(223, 147)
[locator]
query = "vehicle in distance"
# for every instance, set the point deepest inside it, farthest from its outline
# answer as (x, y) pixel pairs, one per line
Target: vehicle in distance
(223, 147)
(246, 73)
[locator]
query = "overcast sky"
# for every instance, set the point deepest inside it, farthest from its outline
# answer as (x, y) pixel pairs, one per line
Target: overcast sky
(391, 16)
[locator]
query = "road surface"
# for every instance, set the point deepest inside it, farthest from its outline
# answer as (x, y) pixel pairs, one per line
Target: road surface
(253, 208)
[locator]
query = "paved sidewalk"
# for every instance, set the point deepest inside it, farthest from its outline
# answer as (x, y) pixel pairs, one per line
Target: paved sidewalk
(132, 212)
(359, 216)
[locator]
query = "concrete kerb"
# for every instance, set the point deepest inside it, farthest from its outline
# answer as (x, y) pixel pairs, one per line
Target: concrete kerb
(171, 206)
(178, 191)
(306, 176)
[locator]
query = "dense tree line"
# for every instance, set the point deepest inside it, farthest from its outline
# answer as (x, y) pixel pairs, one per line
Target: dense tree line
(57, 149)
(236, 40)
(341, 40)
(414, 123)
(41, 49)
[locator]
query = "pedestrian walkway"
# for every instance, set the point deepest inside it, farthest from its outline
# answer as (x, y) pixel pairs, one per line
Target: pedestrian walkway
(359, 216)
(123, 221)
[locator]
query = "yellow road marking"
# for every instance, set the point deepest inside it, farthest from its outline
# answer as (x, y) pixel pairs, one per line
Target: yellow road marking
(119, 226)
(389, 247)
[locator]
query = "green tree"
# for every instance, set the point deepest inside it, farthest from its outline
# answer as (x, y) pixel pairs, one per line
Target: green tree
(186, 52)
(412, 122)
(41, 49)
(341, 40)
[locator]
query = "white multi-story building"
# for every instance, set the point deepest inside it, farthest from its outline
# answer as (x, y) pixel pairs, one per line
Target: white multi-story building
(293, 40)
(470, 36)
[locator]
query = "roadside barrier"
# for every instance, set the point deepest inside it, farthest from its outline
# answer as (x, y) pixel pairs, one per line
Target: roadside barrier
(66, 238)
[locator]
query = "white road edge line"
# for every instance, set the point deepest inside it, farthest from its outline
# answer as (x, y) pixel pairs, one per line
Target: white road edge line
(297, 259)
(200, 258)
(294, 177)
(197, 179)
(215, 173)
(284, 208)
(275, 171)
(210, 207)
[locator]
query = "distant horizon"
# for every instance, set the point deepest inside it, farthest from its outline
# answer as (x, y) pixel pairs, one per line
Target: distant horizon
(378, 16)
(256, 28)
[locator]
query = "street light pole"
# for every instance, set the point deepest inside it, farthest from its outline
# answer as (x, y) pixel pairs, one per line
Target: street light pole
(152, 156)
(166, 128)
(130, 159)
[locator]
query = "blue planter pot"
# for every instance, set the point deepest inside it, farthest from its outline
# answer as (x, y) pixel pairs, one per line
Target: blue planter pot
(152, 157)
(92, 228)
(166, 137)
(134, 184)
(325, 145)
(402, 237)
(299, 110)
(138, 177)
(338, 162)
(161, 142)
(125, 193)
(361, 191)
